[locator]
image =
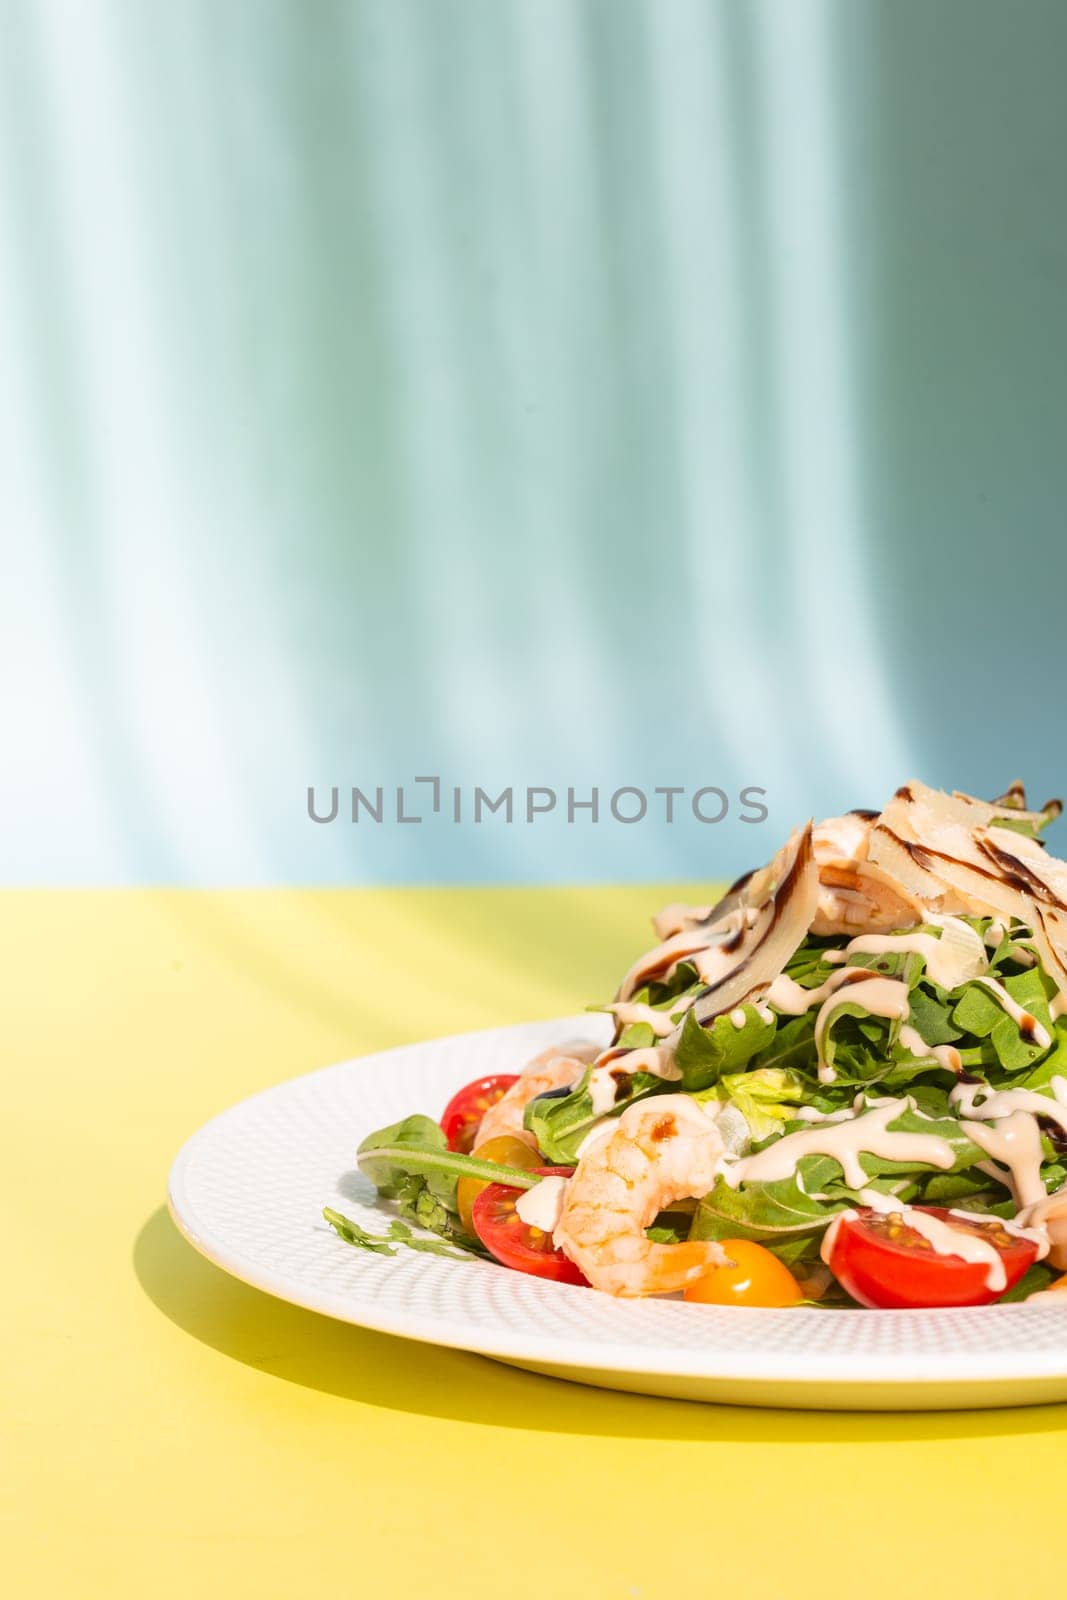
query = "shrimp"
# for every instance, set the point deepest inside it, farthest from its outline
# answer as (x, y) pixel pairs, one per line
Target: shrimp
(855, 896)
(558, 1067)
(659, 1151)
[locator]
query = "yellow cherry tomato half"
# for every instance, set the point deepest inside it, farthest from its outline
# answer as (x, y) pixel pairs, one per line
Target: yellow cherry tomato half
(506, 1151)
(756, 1278)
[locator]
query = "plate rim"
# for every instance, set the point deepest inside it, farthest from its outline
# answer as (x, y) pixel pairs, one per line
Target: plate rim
(943, 1368)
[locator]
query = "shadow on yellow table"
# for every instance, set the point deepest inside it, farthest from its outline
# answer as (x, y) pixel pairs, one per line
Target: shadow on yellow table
(236, 1445)
(376, 1369)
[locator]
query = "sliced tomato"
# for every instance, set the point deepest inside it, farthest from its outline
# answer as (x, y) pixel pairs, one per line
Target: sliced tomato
(512, 1241)
(467, 1107)
(884, 1263)
(504, 1151)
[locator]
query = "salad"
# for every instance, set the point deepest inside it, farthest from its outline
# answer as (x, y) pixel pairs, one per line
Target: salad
(843, 1084)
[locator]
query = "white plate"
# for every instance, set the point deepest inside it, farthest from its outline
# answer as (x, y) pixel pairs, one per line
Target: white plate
(249, 1188)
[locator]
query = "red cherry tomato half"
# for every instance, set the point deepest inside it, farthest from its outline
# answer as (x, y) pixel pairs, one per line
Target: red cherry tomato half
(468, 1106)
(513, 1242)
(883, 1263)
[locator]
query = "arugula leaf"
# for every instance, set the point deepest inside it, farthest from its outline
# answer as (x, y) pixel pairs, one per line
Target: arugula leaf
(949, 1188)
(417, 1148)
(883, 1029)
(792, 1047)
(410, 1162)
(932, 1098)
(808, 1200)
(1014, 950)
(352, 1233)
(796, 1249)
(386, 1157)
(415, 1201)
(1054, 1064)
(704, 1054)
(979, 1013)
(559, 1123)
(930, 1013)
(384, 1244)
(1033, 1281)
(808, 965)
(770, 1211)
(858, 1067)
(965, 1154)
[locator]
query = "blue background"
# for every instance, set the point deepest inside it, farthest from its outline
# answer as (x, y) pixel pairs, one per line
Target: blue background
(529, 393)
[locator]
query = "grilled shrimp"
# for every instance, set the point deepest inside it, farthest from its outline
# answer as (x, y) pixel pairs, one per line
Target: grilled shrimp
(558, 1067)
(659, 1151)
(855, 896)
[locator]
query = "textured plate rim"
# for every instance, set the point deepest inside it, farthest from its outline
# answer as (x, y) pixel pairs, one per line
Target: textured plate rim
(710, 1360)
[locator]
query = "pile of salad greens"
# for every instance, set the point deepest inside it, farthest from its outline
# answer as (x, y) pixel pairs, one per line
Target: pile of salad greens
(768, 1071)
(761, 1064)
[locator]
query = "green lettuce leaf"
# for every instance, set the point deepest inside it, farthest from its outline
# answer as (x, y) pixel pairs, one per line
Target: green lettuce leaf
(767, 1097)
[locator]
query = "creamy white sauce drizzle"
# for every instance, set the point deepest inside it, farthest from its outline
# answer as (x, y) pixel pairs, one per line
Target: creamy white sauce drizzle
(949, 1241)
(602, 1087)
(887, 997)
(977, 1100)
(791, 999)
(845, 1141)
(738, 1017)
(877, 1200)
(946, 1055)
(540, 1206)
(812, 1114)
(1004, 1124)
(635, 1011)
(1023, 1020)
(879, 997)
(1015, 1142)
(951, 958)
(652, 1059)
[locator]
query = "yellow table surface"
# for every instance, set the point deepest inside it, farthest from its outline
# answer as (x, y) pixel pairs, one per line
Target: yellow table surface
(171, 1432)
